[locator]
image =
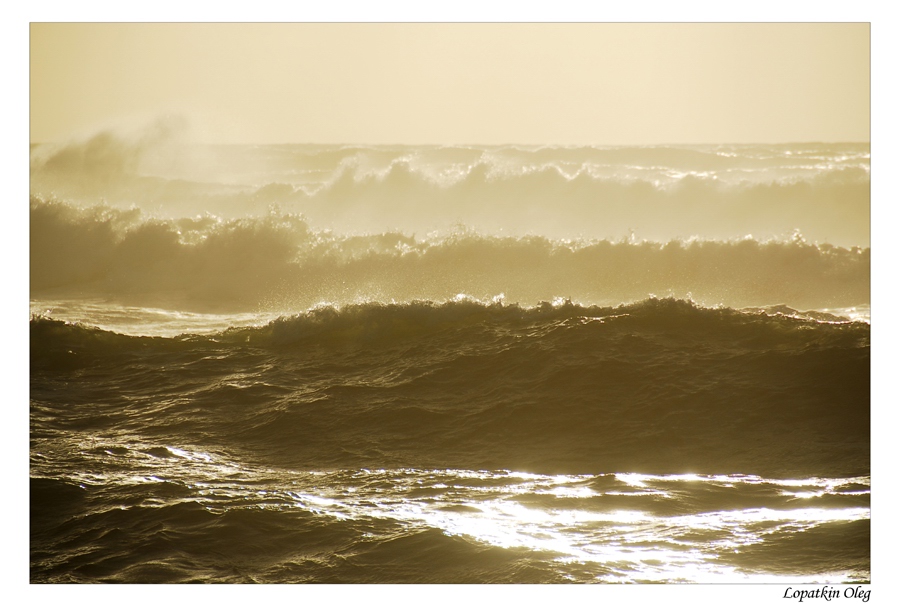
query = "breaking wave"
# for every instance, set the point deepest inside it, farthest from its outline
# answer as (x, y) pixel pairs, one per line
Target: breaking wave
(278, 262)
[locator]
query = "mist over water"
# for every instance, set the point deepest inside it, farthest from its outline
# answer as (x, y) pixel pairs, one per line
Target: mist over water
(303, 363)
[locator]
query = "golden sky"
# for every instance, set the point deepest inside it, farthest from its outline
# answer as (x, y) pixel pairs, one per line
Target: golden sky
(571, 84)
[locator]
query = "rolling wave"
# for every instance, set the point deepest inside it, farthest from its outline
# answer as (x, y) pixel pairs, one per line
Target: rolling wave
(657, 386)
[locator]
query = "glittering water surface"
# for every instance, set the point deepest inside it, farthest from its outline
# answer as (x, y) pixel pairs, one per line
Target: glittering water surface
(625, 527)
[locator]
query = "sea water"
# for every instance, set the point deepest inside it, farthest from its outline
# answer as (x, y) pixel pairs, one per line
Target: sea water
(307, 363)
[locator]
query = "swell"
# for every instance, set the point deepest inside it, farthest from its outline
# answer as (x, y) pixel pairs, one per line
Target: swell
(661, 386)
(277, 262)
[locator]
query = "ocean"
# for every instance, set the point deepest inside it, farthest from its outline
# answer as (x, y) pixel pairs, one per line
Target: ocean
(448, 364)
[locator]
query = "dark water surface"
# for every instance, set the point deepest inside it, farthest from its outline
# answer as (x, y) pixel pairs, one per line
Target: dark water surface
(455, 442)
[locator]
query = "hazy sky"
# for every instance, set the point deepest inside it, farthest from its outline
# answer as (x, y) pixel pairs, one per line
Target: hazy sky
(577, 83)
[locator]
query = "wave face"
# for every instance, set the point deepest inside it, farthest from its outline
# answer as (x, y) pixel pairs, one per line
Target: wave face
(290, 364)
(561, 389)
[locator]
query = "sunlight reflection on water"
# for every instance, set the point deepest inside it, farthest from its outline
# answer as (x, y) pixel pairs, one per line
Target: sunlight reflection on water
(576, 519)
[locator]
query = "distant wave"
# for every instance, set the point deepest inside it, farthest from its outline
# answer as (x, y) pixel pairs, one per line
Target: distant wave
(659, 193)
(827, 205)
(277, 262)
